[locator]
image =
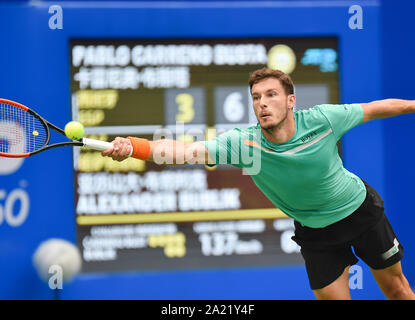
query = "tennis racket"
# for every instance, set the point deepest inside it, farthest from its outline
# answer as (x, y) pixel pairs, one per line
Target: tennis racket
(24, 133)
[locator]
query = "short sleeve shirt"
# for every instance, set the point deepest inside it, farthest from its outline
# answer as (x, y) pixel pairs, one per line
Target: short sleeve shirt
(304, 176)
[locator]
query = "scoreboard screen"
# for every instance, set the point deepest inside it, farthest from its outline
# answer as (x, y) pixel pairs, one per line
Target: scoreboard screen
(136, 215)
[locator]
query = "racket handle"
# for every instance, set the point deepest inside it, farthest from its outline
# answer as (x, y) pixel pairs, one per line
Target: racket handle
(99, 145)
(96, 144)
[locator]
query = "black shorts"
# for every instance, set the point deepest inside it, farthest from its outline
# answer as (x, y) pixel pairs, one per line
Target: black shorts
(328, 251)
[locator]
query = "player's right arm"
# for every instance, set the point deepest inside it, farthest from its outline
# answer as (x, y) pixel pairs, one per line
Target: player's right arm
(162, 151)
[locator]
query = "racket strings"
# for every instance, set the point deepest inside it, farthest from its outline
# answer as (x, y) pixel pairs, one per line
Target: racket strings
(20, 131)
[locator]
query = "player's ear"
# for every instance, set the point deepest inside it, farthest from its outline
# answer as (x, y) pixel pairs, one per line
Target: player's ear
(291, 101)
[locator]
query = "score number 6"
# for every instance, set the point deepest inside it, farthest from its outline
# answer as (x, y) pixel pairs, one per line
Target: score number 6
(185, 102)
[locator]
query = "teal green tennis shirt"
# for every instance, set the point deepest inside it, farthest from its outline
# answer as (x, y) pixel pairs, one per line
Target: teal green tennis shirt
(304, 176)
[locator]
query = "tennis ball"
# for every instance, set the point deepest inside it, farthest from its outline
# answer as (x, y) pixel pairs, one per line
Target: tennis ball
(74, 130)
(57, 254)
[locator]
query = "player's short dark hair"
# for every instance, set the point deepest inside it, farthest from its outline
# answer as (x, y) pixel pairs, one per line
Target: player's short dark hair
(265, 73)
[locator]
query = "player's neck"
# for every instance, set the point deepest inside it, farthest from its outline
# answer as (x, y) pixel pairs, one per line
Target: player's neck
(283, 132)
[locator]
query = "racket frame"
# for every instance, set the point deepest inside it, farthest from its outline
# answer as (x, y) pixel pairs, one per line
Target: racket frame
(46, 124)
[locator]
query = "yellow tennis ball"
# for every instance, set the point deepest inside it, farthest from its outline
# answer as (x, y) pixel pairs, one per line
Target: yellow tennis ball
(74, 130)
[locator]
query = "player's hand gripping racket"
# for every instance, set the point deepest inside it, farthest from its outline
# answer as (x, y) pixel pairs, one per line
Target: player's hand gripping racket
(24, 133)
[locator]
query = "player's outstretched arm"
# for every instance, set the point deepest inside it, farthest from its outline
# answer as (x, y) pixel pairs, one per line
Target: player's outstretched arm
(387, 108)
(162, 151)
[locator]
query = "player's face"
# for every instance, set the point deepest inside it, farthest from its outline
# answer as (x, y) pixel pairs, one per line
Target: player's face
(271, 103)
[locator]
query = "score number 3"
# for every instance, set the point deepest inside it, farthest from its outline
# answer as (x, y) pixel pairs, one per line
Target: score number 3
(185, 101)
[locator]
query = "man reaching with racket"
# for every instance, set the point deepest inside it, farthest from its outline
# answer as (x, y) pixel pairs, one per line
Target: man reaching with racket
(302, 174)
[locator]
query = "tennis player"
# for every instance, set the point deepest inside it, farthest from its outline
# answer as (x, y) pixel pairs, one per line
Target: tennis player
(302, 174)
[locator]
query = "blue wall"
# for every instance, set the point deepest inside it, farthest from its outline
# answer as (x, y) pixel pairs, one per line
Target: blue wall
(398, 68)
(36, 61)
